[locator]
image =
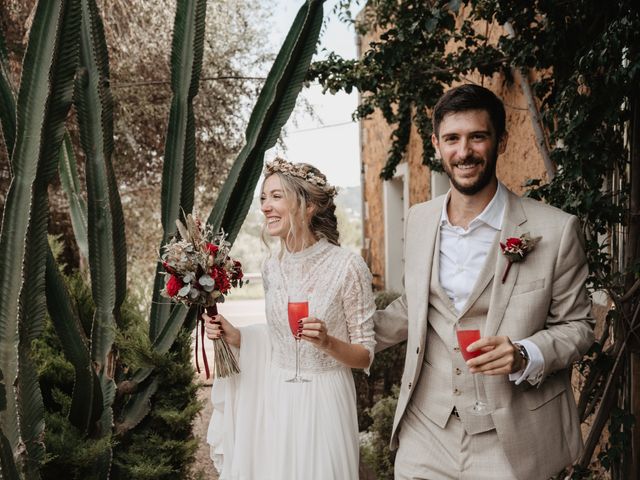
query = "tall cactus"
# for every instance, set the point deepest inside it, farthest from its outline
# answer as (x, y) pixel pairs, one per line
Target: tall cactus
(43, 103)
(274, 106)
(179, 169)
(107, 248)
(68, 172)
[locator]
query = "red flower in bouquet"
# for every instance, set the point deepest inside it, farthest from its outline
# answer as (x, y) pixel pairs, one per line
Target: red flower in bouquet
(211, 248)
(174, 284)
(200, 272)
(516, 249)
(168, 268)
(237, 271)
(221, 279)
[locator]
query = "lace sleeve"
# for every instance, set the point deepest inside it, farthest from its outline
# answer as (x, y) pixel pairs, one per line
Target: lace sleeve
(358, 305)
(264, 272)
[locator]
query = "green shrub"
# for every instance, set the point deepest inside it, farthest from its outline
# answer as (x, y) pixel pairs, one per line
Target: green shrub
(162, 446)
(374, 443)
(385, 372)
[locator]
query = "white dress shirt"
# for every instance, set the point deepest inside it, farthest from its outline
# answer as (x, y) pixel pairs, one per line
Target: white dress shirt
(462, 256)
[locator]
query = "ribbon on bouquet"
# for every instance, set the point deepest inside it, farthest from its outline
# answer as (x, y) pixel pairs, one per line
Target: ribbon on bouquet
(212, 311)
(224, 361)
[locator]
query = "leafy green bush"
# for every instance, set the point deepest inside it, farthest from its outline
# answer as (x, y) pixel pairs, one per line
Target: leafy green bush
(162, 446)
(385, 371)
(374, 443)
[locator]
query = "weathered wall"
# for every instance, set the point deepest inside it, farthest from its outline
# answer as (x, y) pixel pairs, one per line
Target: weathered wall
(520, 162)
(375, 135)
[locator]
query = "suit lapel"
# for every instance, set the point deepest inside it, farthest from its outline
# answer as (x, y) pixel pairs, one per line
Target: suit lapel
(484, 277)
(434, 280)
(424, 233)
(512, 226)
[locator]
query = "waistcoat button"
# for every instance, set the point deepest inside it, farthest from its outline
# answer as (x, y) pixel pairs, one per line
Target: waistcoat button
(458, 371)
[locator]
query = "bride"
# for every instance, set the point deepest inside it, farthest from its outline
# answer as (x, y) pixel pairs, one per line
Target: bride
(263, 427)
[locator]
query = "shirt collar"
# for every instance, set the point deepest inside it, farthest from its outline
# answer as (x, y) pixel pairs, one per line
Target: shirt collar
(492, 213)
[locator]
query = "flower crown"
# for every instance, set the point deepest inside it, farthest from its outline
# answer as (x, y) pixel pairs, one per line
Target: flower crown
(305, 172)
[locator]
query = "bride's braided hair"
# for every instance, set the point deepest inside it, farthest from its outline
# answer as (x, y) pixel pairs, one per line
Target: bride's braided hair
(315, 192)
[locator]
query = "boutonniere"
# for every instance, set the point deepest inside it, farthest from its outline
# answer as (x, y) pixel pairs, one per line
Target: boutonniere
(516, 249)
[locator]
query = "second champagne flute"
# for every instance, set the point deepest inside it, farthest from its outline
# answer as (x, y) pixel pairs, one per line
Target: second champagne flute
(297, 308)
(466, 336)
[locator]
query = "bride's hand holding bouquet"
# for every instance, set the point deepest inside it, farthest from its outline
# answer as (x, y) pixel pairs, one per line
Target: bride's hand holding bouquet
(199, 271)
(218, 326)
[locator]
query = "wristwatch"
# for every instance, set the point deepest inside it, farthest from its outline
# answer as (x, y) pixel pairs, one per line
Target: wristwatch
(523, 353)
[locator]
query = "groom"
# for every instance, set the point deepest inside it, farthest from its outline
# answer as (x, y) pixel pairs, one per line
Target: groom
(534, 315)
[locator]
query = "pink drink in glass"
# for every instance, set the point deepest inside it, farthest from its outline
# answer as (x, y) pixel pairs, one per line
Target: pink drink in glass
(466, 338)
(297, 310)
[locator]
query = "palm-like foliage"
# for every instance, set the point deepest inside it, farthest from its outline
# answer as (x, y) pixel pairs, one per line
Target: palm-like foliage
(65, 34)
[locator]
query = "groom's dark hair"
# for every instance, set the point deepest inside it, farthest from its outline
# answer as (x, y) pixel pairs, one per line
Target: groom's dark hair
(470, 97)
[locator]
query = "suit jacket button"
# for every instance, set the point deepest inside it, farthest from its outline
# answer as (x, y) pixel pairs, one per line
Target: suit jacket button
(456, 349)
(456, 391)
(409, 386)
(458, 371)
(418, 350)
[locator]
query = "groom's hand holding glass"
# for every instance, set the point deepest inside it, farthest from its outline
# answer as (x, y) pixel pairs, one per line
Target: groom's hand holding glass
(500, 357)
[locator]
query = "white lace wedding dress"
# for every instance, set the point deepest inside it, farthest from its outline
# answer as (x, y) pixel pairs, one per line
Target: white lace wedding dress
(264, 428)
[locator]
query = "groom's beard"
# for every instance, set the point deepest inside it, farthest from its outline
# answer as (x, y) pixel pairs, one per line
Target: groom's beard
(487, 174)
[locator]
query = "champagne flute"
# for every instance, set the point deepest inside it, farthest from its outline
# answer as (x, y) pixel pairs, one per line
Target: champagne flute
(297, 308)
(466, 336)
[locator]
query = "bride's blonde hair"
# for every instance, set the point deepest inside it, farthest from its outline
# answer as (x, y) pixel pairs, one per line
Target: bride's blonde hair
(303, 185)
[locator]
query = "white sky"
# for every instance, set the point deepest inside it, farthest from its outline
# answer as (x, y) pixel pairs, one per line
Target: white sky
(333, 149)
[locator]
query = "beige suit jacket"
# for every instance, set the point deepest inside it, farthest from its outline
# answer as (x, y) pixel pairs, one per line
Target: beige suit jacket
(543, 299)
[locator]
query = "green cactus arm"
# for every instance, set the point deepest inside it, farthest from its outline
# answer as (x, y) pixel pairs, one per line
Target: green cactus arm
(68, 172)
(74, 345)
(43, 102)
(178, 172)
(8, 469)
(137, 407)
(106, 238)
(273, 108)
(7, 100)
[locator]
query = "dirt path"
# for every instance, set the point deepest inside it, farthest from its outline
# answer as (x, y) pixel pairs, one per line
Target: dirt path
(203, 466)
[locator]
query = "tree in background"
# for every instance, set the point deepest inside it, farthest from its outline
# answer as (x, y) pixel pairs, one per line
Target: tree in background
(578, 64)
